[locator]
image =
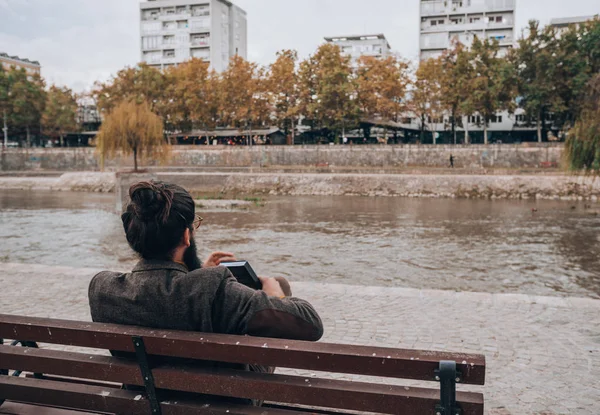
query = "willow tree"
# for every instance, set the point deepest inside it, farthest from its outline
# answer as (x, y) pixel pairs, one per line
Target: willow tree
(582, 149)
(132, 128)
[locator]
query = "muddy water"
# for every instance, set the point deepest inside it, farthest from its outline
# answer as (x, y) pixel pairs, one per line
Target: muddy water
(487, 246)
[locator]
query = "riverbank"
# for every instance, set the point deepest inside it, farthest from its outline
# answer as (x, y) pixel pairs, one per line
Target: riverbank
(542, 353)
(543, 187)
(325, 157)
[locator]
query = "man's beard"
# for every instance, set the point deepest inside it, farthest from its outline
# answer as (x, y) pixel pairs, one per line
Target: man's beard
(190, 257)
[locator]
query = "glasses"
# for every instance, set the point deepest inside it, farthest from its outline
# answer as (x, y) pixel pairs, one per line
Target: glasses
(197, 221)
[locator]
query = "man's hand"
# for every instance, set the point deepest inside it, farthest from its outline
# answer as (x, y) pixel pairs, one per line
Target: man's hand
(216, 258)
(272, 287)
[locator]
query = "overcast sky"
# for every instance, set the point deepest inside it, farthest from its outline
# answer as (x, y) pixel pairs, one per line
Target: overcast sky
(81, 41)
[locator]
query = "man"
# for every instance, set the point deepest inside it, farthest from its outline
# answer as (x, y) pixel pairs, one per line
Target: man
(170, 288)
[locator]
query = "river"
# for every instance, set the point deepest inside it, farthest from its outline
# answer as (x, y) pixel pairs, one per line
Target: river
(465, 245)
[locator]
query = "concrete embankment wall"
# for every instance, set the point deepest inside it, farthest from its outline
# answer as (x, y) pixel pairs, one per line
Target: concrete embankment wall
(453, 186)
(408, 185)
(471, 157)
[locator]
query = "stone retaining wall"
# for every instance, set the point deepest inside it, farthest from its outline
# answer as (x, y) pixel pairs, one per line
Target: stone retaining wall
(401, 156)
(452, 186)
(408, 185)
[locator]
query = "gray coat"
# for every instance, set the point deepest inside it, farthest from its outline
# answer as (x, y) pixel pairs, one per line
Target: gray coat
(164, 295)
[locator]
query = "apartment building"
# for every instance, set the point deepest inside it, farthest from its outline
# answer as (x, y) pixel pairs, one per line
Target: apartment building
(32, 67)
(174, 31)
(362, 45)
(443, 21)
(563, 24)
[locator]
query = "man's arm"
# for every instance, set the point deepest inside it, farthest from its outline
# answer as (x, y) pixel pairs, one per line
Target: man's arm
(238, 309)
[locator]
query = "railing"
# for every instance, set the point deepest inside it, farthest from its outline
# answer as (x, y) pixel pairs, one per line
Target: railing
(432, 8)
(202, 42)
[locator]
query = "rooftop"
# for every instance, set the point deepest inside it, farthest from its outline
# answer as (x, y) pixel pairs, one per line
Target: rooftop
(563, 21)
(16, 58)
(358, 38)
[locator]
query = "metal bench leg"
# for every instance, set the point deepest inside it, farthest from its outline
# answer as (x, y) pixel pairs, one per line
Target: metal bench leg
(448, 376)
(142, 359)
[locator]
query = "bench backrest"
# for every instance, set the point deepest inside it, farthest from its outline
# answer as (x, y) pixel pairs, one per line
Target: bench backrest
(303, 390)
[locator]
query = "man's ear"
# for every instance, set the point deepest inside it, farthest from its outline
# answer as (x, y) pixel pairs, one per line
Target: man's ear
(187, 235)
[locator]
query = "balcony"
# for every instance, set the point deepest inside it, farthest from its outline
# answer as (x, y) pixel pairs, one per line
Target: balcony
(200, 42)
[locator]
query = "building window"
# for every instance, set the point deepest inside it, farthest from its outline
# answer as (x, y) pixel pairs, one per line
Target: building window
(181, 9)
(458, 20)
(474, 19)
(169, 25)
(182, 24)
(499, 19)
(168, 40)
(169, 53)
(496, 119)
(475, 119)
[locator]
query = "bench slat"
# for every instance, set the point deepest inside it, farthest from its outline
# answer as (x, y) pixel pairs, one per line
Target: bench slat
(98, 399)
(360, 360)
(346, 395)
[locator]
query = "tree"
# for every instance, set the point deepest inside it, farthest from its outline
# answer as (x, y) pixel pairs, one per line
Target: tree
(582, 148)
(492, 88)
(335, 104)
(4, 101)
(425, 96)
(577, 61)
(535, 63)
(283, 83)
(27, 100)
(142, 83)
(238, 87)
(132, 128)
(188, 96)
(60, 114)
(381, 86)
(456, 73)
(307, 94)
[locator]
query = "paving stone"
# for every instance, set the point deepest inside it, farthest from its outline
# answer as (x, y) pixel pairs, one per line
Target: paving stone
(543, 354)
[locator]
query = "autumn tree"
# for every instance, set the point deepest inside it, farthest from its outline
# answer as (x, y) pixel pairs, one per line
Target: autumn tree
(238, 87)
(142, 83)
(60, 114)
(131, 128)
(381, 86)
(307, 92)
(189, 96)
(283, 80)
(455, 74)
(493, 85)
(27, 100)
(335, 105)
(425, 94)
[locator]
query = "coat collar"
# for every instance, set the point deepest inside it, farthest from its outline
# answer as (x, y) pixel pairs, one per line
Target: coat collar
(155, 265)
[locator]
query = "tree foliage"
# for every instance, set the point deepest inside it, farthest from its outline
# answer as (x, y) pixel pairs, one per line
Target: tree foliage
(60, 114)
(492, 87)
(142, 83)
(133, 129)
(582, 149)
(425, 100)
(283, 84)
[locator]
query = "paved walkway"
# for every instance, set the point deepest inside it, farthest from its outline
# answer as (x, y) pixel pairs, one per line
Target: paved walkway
(543, 353)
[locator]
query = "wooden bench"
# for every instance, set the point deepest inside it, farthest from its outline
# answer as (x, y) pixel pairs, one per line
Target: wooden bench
(92, 383)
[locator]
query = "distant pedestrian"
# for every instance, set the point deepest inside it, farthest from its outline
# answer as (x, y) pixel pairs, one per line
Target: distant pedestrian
(451, 161)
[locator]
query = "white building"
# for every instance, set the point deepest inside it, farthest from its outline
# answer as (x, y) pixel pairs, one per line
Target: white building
(31, 67)
(174, 31)
(563, 24)
(362, 45)
(442, 21)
